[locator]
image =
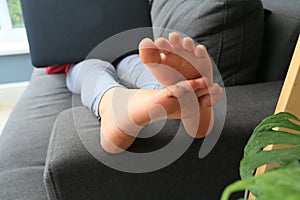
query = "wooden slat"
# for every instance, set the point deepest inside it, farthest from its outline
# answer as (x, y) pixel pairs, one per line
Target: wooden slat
(289, 100)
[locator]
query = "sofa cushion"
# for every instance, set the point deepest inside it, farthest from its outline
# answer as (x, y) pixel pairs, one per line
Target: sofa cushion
(71, 172)
(282, 29)
(232, 30)
(24, 140)
(62, 32)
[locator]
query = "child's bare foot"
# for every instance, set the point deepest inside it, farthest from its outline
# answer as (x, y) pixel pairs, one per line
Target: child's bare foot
(174, 60)
(124, 112)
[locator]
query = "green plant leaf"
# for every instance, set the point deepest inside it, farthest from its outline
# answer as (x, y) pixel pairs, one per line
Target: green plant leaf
(264, 135)
(282, 184)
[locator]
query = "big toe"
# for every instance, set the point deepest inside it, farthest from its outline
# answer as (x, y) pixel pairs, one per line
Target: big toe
(149, 53)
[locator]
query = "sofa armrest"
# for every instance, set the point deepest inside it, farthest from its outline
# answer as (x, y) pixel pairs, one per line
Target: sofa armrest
(282, 28)
(71, 172)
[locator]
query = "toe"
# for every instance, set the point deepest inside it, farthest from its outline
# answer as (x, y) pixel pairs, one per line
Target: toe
(206, 100)
(201, 51)
(188, 85)
(149, 53)
(192, 85)
(188, 44)
(214, 96)
(175, 40)
(180, 88)
(201, 92)
(164, 45)
(203, 82)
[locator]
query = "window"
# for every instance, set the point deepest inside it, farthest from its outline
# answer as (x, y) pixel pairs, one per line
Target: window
(15, 11)
(13, 39)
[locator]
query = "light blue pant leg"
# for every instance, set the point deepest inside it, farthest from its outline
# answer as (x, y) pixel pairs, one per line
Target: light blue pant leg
(92, 78)
(132, 73)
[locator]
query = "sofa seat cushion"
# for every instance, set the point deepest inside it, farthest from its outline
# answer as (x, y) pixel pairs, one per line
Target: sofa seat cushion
(71, 172)
(232, 31)
(24, 140)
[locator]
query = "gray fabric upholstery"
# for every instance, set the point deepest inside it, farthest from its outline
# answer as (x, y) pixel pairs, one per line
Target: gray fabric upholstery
(24, 183)
(63, 32)
(282, 27)
(232, 31)
(71, 172)
(24, 140)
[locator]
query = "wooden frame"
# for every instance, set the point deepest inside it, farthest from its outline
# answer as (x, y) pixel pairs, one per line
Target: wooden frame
(288, 101)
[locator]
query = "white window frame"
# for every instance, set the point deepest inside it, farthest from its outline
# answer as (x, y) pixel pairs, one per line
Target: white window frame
(12, 40)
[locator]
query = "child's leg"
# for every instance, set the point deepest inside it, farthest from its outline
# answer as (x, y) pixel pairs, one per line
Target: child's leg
(92, 78)
(134, 74)
(123, 111)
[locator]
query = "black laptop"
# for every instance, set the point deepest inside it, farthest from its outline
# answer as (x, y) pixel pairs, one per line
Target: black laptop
(58, 35)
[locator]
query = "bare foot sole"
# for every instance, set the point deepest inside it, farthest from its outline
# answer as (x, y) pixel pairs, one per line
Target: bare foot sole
(124, 112)
(176, 59)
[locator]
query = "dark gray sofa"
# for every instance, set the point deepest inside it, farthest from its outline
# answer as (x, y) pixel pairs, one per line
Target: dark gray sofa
(42, 156)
